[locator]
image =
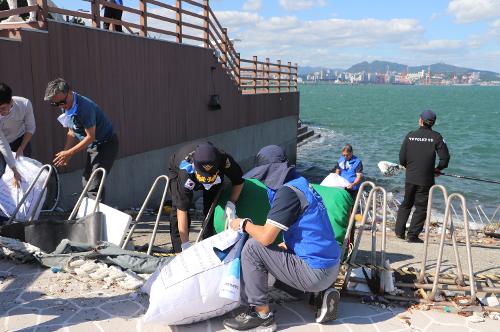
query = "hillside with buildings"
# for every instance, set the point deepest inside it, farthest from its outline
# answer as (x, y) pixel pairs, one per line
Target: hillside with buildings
(383, 72)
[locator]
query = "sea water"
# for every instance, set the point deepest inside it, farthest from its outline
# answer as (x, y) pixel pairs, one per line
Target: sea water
(374, 119)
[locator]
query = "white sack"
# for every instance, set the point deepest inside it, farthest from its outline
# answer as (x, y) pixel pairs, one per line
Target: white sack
(10, 195)
(189, 288)
(334, 180)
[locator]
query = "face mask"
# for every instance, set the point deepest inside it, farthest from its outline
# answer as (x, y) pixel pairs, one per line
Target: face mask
(65, 120)
(207, 186)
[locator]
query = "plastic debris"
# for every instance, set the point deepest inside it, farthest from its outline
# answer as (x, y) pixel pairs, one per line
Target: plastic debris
(494, 315)
(55, 269)
(477, 317)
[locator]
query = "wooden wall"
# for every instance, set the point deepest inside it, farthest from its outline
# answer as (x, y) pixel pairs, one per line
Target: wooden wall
(155, 92)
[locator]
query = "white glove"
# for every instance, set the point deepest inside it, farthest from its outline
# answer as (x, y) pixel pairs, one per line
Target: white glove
(185, 246)
(230, 211)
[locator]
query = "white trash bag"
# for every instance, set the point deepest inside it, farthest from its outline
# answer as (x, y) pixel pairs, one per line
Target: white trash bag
(200, 283)
(10, 195)
(335, 180)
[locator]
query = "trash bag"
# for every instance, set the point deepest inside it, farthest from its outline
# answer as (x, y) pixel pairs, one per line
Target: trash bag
(200, 283)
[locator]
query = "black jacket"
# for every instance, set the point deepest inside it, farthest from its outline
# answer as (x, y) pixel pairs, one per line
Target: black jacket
(418, 155)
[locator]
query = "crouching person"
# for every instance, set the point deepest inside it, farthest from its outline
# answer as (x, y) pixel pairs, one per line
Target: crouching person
(309, 257)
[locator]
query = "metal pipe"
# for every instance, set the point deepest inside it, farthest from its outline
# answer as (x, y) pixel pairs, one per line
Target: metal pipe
(86, 189)
(30, 188)
(441, 245)
(209, 214)
(160, 209)
(353, 215)
(427, 226)
(143, 207)
(357, 241)
(494, 290)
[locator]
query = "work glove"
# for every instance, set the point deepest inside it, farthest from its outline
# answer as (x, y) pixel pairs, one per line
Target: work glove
(230, 211)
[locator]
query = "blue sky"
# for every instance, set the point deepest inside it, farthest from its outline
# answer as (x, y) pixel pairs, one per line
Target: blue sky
(340, 33)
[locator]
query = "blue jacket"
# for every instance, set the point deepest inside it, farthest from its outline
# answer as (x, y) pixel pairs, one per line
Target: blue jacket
(311, 237)
(348, 169)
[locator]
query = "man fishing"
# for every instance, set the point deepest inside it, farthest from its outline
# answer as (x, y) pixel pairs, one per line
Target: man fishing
(418, 155)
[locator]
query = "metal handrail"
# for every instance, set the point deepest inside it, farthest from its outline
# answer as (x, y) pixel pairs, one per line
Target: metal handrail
(143, 207)
(86, 189)
(447, 217)
(30, 188)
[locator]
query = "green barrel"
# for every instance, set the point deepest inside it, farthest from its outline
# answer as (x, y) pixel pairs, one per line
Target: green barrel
(254, 204)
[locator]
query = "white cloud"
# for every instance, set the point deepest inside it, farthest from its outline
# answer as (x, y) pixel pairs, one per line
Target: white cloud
(467, 11)
(234, 20)
(495, 28)
(296, 5)
(435, 46)
(252, 5)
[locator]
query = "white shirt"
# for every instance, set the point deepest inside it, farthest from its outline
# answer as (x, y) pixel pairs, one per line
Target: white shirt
(19, 121)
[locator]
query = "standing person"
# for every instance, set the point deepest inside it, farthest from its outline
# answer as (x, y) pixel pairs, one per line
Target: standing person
(16, 121)
(199, 166)
(350, 168)
(13, 108)
(113, 13)
(89, 125)
(418, 155)
(309, 257)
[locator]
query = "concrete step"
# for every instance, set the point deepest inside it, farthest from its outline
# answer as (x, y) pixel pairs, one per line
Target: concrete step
(301, 130)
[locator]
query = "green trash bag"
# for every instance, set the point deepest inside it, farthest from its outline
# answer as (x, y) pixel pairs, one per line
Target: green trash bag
(253, 203)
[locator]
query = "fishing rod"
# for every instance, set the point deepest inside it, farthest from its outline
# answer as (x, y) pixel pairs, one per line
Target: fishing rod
(470, 178)
(389, 169)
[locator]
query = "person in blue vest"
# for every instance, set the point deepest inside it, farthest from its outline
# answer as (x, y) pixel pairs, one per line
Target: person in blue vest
(309, 257)
(350, 168)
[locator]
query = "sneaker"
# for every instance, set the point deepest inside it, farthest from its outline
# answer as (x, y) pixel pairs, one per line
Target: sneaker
(326, 309)
(415, 240)
(250, 321)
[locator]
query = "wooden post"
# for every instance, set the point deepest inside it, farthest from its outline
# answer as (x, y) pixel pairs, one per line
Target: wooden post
(43, 12)
(254, 74)
(224, 41)
(205, 22)
(96, 14)
(144, 18)
(289, 75)
(178, 17)
(266, 75)
(279, 75)
(296, 76)
(238, 69)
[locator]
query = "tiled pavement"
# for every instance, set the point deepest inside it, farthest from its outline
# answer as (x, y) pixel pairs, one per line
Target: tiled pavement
(36, 299)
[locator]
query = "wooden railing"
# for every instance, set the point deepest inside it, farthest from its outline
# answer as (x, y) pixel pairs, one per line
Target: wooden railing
(183, 21)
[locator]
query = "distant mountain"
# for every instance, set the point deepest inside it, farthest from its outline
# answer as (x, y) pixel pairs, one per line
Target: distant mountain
(383, 66)
(308, 70)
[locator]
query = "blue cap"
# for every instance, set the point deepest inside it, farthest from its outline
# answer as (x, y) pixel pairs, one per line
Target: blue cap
(428, 116)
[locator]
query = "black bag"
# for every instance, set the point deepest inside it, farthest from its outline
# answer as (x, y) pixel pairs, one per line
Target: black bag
(47, 234)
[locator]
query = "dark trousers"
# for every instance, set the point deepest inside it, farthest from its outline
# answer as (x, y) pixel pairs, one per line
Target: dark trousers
(208, 198)
(17, 143)
(115, 14)
(102, 155)
(418, 196)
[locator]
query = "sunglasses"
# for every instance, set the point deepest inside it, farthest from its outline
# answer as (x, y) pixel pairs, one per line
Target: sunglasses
(60, 102)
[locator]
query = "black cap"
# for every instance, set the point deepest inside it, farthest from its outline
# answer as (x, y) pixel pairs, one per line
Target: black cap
(206, 163)
(271, 167)
(429, 117)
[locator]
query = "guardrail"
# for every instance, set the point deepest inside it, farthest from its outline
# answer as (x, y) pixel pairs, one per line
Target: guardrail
(183, 21)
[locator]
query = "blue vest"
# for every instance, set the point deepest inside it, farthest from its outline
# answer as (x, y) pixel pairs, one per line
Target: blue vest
(311, 237)
(348, 169)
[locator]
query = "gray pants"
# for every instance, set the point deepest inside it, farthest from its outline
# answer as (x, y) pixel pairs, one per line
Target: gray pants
(257, 261)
